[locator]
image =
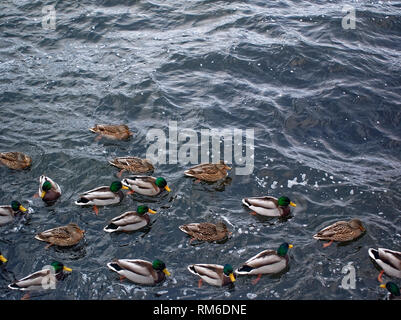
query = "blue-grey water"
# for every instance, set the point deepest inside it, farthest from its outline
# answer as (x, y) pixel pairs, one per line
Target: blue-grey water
(323, 101)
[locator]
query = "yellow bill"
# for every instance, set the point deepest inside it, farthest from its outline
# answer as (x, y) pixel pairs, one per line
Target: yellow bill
(232, 278)
(292, 204)
(2, 259)
(43, 194)
(21, 208)
(125, 187)
(67, 269)
(167, 188)
(166, 272)
(152, 211)
(382, 285)
(290, 246)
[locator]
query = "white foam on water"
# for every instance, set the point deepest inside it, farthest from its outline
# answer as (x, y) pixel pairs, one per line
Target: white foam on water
(294, 181)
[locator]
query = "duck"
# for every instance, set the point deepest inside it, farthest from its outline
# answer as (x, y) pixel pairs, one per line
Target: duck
(63, 236)
(146, 185)
(7, 213)
(341, 231)
(131, 220)
(210, 172)
(15, 160)
(43, 279)
(206, 231)
(102, 196)
(269, 206)
(388, 260)
(119, 132)
(266, 262)
(213, 274)
(140, 271)
(132, 164)
(2, 259)
(394, 290)
(49, 191)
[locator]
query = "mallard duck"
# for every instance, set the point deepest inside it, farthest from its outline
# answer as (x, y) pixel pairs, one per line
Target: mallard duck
(146, 185)
(210, 172)
(388, 260)
(7, 213)
(41, 280)
(102, 196)
(15, 160)
(341, 231)
(119, 132)
(393, 289)
(63, 236)
(132, 164)
(213, 274)
(140, 271)
(131, 220)
(266, 262)
(269, 206)
(49, 190)
(206, 231)
(2, 259)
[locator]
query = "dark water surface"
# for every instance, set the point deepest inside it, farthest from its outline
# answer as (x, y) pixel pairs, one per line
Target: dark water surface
(324, 103)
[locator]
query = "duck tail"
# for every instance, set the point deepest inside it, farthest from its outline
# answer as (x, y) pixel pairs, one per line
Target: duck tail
(114, 266)
(110, 228)
(244, 269)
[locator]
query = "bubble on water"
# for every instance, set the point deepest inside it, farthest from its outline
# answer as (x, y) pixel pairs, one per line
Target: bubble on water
(351, 192)
(251, 295)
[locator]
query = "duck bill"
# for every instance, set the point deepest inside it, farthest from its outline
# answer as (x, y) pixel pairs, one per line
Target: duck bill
(152, 211)
(2, 259)
(21, 208)
(290, 246)
(167, 188)
(292, 204)
(165, 271)
(43, 194)
(232, 278)
(383, 286)
(67, 269)
(362, 229)
(125, 187)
